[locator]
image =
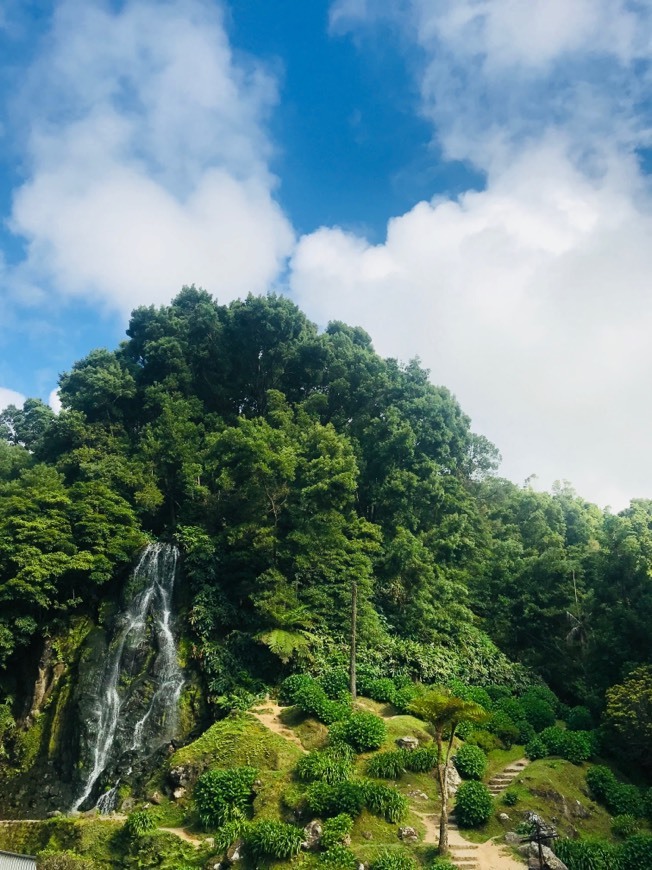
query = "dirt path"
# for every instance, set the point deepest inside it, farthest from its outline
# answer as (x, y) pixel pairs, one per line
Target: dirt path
(182, 834)
(474, 856)
(270, 716)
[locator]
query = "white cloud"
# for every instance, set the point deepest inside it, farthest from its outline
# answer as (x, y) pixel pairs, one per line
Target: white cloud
(10, 397)
(54, 401)
(148, 158)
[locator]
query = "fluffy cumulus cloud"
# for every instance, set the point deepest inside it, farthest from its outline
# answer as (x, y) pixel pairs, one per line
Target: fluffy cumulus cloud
(10, 397)
(530, 298)
(147, 158)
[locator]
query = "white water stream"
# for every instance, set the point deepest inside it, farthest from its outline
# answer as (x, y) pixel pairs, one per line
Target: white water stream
(147, 618)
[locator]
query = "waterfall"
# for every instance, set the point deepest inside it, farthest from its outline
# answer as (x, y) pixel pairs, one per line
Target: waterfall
(127, 723)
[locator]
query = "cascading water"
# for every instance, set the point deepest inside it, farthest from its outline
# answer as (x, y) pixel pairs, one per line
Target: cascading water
(135, 704)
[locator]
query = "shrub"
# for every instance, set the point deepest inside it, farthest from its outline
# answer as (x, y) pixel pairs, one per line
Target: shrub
(470, 761)
(525, 732)
(404, 697)
(441, 864)
(484, 740)
(228, 834)
(381, 689)
(504, 728)
(510, 797)
(312, 700)
(588, 854)
(275, 840)
(336, 683)
(387, 765)
(636, 853)
(362, 731)
(223, 795)
(421, 760)
(386, 802)
(140, 822)
(647, 804)
(536, 749)
(339, 858)
(577, 746)
(291, 685)
(465, 729)
(343, 797)
(542, 693)
(394, 861)
(336, 830)
(473, 804)
(554, 738)
(600, 780)
(579, 719)
(496, 692)
(512, 708)
(624, 826)
(51, 860)
(538, 713)
(624, 799)
(332, 764)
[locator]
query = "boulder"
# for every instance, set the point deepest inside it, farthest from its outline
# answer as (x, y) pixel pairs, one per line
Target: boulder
(408, 834)
(181, 775)
(234, 852)
(407, 742)
(415, 793)
(178, 793)
(454, 780)
(312, 835)
(503, 817)
(156, 798)
(550, 860)
(512, 838)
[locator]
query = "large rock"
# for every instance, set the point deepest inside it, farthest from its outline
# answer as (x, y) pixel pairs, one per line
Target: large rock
(234, 852)
(550, 860)
(312, 835)
(454, 780)
(407, 742)
(408, 834)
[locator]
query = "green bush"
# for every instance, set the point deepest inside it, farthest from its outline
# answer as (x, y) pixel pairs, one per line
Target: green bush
(387, 765)
(624, 826)
(441, 864)
(343, 797)
(140, 822)
(470, 693)
(291, 685)
(272, 840)
(579, 719)
(538, 713)
(404, 697)
(336, 683)
(600, 780)
(536, 749)
(510, 797)
(647, 804)
(382, 690)
(512, 708)
(543, 693)
(228, 834)
(554, 738)
(386, 802)
(636, 853)
(362, 731)
(485, 740)
(470, 761)
(588, 854)
(66, 860)
(421, 760)
(223, 795)
(624, 799)
(577, 746)
(338, 858)
(332, 764)
(525, 732)
(465, 729)
(473, 804)
(394, 861)
(336, 830)
(496, 692)
(504, 728)
(312, 700)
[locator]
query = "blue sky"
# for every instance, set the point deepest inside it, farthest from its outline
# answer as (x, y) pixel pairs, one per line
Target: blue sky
(469, 181)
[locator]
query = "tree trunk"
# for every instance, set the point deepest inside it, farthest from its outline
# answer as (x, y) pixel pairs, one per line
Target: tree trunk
(442, 772)
(354, 626)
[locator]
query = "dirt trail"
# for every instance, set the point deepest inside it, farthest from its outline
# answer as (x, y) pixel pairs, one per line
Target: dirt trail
(270, 716)
(474, 856)
(182, 834)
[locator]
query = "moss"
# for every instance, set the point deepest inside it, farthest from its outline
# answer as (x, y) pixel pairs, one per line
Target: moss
(238, 740)
(57, 717)
(66, 645)
(28, 743)
(312, 733)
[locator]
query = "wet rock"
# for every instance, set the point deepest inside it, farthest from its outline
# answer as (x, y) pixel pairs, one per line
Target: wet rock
(181, 775)
(234, 852)
(312, 835)
(407, 742)
(408, 834)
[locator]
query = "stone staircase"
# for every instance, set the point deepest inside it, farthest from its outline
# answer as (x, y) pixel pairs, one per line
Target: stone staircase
(500, 781)
(462, 853)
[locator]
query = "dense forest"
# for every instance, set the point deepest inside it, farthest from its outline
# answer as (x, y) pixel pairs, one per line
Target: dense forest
(296, 469)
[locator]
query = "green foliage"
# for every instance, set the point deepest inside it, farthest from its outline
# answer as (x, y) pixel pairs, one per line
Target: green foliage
(362, 731)
(64, 860)
(579, 719)
(140, 822)
(538, 713)
(470, 761)
(505, 729)
(221, 796)
(629, 715)
(338, 858)
(269, 840)
(395, 860)
(330, 800)
(383, 689)
(624, 826)
(510, 797)
(336, 684)
(387, 765)
(331, 764)
(588, 854)
(420, 760)
(485, 740)
(577, 746)
(636, 852)
(441, 864)
(336, 830)
(473, 804)
(554, 739)
(600, 780)
(228, 833)
(619, 798)
(312, 700)
(292, 685)
(386, 802)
